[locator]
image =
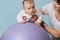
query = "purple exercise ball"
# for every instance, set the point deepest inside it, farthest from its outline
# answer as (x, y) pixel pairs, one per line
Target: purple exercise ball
(27, 31)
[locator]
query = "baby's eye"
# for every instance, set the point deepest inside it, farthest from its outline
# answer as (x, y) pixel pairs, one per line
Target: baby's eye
(58, 4)
(54, 0)
(33, 7)
(28, 8)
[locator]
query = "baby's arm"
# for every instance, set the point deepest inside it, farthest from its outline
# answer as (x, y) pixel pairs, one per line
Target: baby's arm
(21, 18)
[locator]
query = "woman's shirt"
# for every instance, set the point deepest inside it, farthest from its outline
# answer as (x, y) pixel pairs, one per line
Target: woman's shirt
(48, 10)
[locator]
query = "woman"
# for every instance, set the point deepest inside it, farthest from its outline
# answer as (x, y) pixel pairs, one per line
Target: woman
(53, 11)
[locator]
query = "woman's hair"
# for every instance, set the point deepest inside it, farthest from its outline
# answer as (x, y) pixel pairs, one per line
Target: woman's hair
(31, 1)
(58, 1)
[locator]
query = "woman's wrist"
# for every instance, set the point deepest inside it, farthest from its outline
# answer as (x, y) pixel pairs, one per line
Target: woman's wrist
(43, 24)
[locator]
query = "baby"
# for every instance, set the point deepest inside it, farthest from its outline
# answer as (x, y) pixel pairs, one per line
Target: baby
(29, 13)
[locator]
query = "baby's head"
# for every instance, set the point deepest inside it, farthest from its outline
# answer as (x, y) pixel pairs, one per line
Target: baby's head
(29, 6)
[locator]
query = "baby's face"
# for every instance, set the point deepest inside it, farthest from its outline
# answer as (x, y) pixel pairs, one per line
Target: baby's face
(29, 8)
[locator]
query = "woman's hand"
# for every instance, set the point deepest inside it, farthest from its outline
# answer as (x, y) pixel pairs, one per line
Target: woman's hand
(58, 32)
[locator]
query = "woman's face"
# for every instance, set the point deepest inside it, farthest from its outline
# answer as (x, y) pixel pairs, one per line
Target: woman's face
(56, 5)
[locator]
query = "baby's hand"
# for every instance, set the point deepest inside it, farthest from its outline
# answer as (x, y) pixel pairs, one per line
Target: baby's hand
(34, 18)
(24, 19)
(37, 23)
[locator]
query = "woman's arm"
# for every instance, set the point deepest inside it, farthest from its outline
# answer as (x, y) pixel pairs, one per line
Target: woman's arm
(54, 33)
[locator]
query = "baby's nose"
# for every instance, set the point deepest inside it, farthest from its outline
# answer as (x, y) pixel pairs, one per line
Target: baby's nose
(31, 10)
